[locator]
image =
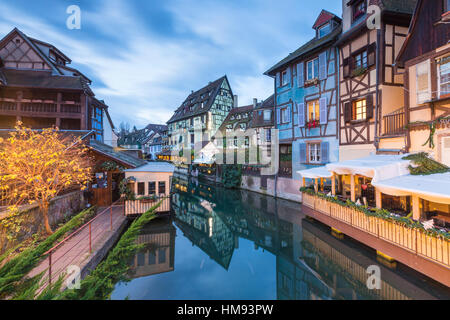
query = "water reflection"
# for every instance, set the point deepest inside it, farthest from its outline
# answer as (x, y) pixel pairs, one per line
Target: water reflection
(158, 254)
(298, 257)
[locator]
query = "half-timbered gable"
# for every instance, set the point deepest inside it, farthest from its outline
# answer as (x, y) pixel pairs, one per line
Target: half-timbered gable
(370, 87)
(200, 115)
(426, 59)
(306, 98)
(41, 90)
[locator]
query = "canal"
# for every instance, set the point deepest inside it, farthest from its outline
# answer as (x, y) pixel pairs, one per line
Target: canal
(234, 244)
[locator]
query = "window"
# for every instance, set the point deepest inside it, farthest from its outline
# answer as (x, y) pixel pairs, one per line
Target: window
(359, 110)
(285, 115)
(444, 77)
(446, 6)
(141, 188)
(162, 187)
(312, 69)
(324, 30)
(423, 82)
(268, 135)
(162, 255)
(359, 9)
(151, 187)
(360, 60)
(284, 78)
(313, 110)
(267, 115)
(314, 152)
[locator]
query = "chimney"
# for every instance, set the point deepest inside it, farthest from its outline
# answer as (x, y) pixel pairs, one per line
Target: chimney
(255, 102)
(235, 101)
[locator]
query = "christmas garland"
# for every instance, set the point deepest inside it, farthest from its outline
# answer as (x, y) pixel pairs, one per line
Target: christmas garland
(380, 213)
(425, 165)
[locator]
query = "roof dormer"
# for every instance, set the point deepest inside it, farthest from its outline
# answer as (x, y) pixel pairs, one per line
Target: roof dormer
(326, 23)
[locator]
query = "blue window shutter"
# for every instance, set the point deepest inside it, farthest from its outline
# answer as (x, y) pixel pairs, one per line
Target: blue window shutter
(288, 75)
(325, 152)
(323, 110)
(302, 152)
(301, 114)
(278, 79)
(323, 66)
(278, 116)
(300, 75)
(288, 111)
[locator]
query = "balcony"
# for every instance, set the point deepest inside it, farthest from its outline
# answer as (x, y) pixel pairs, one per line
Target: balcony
(394, 123)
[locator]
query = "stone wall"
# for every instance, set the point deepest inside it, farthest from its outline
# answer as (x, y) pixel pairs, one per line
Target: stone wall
(288, 189)
(61, 209)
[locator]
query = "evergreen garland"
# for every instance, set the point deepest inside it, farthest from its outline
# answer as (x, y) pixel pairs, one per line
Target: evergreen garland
(424, 165)
(379, 213)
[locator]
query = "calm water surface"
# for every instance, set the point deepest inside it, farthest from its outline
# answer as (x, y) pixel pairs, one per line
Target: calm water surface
(222, 244)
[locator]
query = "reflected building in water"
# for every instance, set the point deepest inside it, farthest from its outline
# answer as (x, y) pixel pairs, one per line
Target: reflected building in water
(158, 254)
(310, 262)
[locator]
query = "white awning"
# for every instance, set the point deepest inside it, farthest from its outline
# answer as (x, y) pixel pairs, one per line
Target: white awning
(315, 173)
(377, 167)
(434, 187)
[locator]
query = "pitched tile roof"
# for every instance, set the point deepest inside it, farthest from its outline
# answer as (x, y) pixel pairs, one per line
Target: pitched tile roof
(122, 157)
(324, 17)
(192, 105)
(42, 79)
(306, 49)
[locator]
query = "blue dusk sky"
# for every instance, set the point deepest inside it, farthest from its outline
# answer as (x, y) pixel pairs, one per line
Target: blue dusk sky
(145, 57)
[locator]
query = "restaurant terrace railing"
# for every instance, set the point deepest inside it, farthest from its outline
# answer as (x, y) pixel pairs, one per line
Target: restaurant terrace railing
(414, 240)
(394, 123)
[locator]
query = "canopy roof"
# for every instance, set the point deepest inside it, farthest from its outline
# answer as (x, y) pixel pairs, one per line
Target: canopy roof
(434, 187)
(377, 167)
(154, 167)
(315, 173)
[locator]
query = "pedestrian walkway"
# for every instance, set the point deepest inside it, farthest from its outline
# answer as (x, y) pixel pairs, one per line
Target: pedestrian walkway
(84, 249)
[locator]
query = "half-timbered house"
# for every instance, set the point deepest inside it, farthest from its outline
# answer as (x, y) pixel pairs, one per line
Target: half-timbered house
(306, 96)
(39, 88)
(426, 58)
(200, 116)
(370, 85)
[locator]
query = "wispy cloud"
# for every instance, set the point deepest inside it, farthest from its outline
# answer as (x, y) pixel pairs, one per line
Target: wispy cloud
(145, 57)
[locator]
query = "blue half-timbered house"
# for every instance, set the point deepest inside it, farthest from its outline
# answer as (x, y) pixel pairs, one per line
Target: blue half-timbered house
(306, 96)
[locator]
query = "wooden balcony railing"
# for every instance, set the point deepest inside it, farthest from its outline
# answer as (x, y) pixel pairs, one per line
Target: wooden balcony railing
(394, 123)
(71, 108)
(138, 207)
(8, 106)
(38, 107)
(411, 239)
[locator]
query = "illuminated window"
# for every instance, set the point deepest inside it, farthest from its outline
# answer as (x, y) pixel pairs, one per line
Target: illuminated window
(359, 110)
(313, 110)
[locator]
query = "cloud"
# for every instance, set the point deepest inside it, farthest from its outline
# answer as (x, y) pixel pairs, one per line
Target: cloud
(144, 57)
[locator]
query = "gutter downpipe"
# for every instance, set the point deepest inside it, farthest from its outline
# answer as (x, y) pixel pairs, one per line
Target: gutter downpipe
(376, 141)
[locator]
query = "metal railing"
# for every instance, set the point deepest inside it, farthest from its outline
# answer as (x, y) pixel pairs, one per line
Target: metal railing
(88, 248)
(414, 240)
(394, 123)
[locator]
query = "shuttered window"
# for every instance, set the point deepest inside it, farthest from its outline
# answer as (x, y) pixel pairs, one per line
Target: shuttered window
(313, 110)
(359, 110)
(323, 66)
(312, 70)
(423, 82)
(314, 154)
(301, 114)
